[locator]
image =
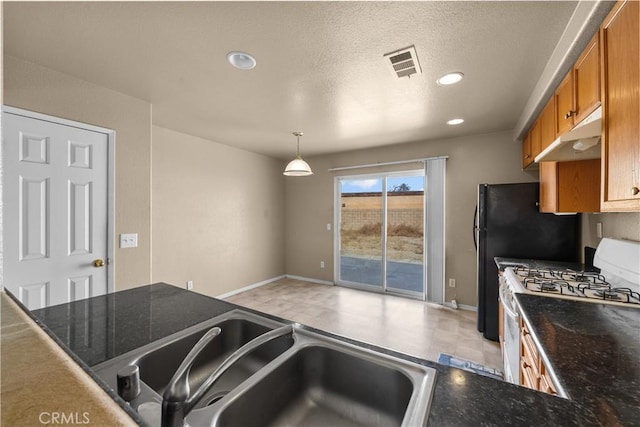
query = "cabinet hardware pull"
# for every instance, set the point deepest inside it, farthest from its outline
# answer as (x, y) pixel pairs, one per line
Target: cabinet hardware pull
(569, 115)
(635, 190)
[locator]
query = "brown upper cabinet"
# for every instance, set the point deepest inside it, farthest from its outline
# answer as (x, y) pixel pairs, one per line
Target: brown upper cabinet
(567, 187)
(548, 125)
(536, 143)
(527, 158)
(579, 92)
(620, 62)
(564, 105)
(586, 80)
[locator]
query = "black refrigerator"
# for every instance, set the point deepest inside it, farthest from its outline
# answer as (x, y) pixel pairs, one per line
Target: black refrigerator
(508, 224)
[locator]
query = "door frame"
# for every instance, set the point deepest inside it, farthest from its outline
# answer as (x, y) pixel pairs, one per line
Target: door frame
(111, 151)
(336, 235)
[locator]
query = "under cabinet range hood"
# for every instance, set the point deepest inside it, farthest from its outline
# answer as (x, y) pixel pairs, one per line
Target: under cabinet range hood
(580, 143)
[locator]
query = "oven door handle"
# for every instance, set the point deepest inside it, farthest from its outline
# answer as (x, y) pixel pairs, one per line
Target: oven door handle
(510, 311)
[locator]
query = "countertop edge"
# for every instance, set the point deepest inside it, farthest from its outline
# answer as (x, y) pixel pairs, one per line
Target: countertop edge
(545, 358)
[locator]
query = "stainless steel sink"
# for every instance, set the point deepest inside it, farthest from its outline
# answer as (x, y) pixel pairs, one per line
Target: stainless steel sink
(302, 378)
(321, 381)
(321, 386)
(159, 360)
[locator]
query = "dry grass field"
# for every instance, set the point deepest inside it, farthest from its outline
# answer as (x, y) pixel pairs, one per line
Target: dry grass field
(404, 243)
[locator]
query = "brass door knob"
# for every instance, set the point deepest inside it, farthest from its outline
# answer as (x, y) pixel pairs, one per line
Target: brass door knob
(98, 263)
(635, 190)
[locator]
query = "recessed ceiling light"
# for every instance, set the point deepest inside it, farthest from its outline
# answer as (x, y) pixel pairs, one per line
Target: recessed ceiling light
(449, 79)
(454, 122)
(241, 60)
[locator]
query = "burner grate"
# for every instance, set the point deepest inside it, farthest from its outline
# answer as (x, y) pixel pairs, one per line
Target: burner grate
(580, 284)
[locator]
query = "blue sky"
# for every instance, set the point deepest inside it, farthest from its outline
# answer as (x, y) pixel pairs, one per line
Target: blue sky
(415, 183)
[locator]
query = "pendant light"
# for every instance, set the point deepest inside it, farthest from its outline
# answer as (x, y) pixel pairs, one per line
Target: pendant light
(297, 166)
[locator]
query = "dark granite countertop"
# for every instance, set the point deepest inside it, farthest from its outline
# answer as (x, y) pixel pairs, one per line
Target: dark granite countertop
(103, 327)
(503, 263)
(594, 349)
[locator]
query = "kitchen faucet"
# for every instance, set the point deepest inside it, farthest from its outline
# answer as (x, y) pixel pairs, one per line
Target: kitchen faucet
(176, 401)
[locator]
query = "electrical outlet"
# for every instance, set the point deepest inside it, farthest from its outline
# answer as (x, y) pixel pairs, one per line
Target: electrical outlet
(129, 240)
(452, 283)
(321, 264)
(328, 227)
(189, 285)
(599, 230)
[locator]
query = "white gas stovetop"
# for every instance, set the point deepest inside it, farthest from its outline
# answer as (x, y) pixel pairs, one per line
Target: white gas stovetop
(617, 283)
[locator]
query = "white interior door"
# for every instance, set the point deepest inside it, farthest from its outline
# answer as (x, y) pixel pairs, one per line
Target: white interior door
(55, 211)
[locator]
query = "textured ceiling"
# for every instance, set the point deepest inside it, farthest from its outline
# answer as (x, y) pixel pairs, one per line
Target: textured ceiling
(320, 65)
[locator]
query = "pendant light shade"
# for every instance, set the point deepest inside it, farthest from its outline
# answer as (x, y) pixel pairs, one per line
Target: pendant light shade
(297, 166)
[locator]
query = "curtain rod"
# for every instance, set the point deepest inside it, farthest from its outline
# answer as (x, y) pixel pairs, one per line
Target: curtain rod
(399, 162)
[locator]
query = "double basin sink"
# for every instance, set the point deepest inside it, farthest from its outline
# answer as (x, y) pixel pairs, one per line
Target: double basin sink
(302, 378)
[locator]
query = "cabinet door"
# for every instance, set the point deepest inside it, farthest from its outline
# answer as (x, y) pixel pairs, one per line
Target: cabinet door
(547, 125)
(565, 110)
(536, 145)
(586, 74)
(579, 186)
(548, 187)
(620, 62)
(527, 158)
(570, 186)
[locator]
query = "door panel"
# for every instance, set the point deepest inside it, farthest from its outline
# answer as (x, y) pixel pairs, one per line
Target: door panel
(33, 225)
(55, 211)
(405, 236)
(361, 243)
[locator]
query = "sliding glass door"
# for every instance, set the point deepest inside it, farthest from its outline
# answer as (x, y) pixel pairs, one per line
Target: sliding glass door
(405, 234)
(380, 241)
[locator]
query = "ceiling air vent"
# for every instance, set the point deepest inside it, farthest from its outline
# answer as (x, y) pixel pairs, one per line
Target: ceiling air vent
(404, 62)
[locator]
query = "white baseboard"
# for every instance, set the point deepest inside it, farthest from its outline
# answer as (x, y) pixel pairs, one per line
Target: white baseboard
(308, 279)
(462, 306)
(248, 288)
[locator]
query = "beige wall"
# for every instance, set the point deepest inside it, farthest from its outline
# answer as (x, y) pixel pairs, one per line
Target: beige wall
(617, 225)
(491, 158)
(32, 87)
(218, 214)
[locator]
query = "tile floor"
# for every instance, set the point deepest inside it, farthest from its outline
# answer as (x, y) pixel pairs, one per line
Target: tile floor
(405, 325)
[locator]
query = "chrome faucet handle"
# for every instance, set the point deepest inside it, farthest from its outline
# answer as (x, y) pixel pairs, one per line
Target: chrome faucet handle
(233, 358)
(176, 394)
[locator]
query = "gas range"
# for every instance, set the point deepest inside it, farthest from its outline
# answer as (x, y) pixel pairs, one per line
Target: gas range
(617, 282)
(571, 284)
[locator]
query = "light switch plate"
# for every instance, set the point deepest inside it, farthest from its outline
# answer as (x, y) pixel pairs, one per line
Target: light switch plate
(129, 240)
